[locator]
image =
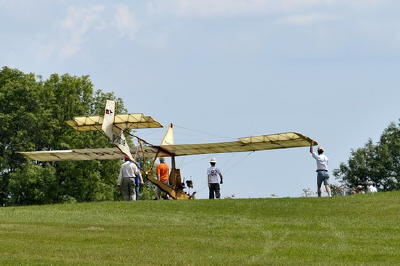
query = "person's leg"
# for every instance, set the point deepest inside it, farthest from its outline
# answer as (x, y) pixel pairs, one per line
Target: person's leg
(124, 189)
(165, 194)
(327, 186)
(319, 191)
(328, 190)
(211, 191)
(132, 194)
(217, 191)
(137, 191)
(158, 193)
(319, 183)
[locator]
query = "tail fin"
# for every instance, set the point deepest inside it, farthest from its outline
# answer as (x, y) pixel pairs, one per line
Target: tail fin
(168, 138)
(115, 134)
(108, 119)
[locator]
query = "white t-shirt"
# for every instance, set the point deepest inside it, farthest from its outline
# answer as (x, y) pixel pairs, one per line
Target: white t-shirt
(371, 189)
(213, 173)
(128, 169)
(322, 161)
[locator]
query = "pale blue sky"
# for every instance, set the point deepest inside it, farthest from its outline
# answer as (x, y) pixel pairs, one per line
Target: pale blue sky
(226, 69)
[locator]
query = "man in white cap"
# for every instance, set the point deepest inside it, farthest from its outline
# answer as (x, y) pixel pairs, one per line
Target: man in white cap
(322, 169)
(126, 179)
(213, 184)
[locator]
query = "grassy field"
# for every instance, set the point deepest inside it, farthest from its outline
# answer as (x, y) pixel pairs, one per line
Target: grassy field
(354, 230)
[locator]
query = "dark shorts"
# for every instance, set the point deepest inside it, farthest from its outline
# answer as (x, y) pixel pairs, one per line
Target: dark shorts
(322, 176)
(214, 190)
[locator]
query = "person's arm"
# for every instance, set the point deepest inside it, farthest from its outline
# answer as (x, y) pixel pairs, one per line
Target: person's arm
(158, 174)
(141, 178)
(208, 178)
(138, 173)
(314, 155)
(220, 175)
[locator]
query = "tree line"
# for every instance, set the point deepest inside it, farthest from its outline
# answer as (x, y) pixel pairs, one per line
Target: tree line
(33, 113)
(378, 163)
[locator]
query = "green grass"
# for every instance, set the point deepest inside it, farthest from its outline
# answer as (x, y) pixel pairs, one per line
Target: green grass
(354, 230)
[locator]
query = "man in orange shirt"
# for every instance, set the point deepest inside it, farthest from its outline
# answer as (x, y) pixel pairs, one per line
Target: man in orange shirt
(162, 172)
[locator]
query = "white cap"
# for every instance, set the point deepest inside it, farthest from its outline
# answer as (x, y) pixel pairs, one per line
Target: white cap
(213, 160)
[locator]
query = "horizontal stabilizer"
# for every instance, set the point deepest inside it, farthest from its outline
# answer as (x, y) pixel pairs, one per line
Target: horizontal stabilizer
(126, 121)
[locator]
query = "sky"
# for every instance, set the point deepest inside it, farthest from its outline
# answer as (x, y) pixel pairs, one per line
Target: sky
(224, 69)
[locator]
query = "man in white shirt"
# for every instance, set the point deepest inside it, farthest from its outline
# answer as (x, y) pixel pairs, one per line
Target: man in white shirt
(322, 169)
(212, 178)
(126, 179)
(371, 188)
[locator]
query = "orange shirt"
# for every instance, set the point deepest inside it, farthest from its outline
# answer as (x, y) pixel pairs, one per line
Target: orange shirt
(162, 172)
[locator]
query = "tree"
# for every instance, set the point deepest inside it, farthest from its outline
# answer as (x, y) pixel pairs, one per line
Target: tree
(32, 117)
(21, 112)
(378, 163)
(33, 184)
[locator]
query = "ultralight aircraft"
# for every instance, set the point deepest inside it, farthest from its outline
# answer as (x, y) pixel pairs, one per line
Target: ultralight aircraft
(114, 127)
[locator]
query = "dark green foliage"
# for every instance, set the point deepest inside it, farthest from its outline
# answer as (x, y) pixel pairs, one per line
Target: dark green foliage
(33, 184)
(32, 117)
(378, 163)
